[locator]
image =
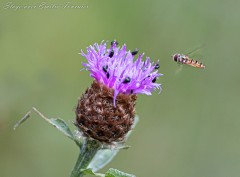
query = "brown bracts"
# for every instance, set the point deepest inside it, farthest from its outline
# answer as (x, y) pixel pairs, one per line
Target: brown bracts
(97, 117)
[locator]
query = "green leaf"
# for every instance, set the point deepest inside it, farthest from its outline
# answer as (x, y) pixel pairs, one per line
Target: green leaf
(56, 122)
(90, 172)
(61, 126)
(116, 173)
(104, 156)
(87, 171)
(23, 119)
(110, 173)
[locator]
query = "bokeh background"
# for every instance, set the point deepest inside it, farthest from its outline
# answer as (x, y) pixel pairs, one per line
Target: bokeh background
(192, 129)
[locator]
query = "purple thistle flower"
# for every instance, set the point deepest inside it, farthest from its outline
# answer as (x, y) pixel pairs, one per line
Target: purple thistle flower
(116, 68)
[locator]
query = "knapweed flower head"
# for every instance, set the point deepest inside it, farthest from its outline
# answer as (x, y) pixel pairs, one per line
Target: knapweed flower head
(106, 110)
(115, 68)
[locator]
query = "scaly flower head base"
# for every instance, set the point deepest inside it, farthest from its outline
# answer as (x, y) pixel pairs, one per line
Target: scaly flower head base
(97, 117)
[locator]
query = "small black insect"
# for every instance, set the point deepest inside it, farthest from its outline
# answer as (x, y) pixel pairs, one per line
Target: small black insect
(105, 68)
(114, 42)
(157, 66)
(111, 54)
(154, 80)
(135, 52)
(127, 80)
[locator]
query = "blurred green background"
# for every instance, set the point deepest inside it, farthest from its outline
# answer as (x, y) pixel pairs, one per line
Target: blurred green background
(192, 129)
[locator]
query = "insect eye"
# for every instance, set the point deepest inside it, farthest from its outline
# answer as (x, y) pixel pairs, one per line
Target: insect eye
(175, 57)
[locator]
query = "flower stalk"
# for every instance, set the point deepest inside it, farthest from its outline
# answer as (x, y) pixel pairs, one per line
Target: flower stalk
(87, 152)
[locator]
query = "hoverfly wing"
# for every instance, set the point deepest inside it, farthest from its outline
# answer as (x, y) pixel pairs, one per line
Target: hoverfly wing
(196, 49)
(186, 60)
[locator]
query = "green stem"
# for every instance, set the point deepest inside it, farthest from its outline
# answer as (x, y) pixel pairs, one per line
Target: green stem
(88, 151)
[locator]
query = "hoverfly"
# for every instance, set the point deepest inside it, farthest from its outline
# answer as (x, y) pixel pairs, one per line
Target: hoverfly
(184, 59)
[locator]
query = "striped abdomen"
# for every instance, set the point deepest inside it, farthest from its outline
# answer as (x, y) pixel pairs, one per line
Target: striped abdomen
(184, 59)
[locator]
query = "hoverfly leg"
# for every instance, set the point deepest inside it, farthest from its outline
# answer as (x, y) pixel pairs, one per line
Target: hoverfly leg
(180, 66)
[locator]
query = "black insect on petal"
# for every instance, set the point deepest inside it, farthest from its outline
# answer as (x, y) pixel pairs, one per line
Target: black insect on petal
(127, 80)
(105, 68)
(108, 75)
(154, 80)
(131, 91)
(114, 42)
(135, 52)
(157, 66)
(111, 54)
